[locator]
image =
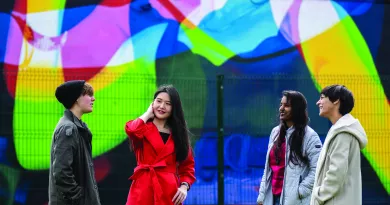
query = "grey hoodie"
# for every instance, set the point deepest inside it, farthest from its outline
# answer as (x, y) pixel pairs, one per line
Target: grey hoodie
(338, 174)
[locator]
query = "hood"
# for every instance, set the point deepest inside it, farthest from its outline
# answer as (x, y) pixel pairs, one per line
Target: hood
(349, 124)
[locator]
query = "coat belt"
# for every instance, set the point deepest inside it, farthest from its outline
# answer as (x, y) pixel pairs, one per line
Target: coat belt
(152, 168)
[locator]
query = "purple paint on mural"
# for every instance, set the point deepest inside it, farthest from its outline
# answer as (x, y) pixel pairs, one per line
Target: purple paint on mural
(289, 26)
(185, 7)
(91, 43)
(14, 43)
(94, 41)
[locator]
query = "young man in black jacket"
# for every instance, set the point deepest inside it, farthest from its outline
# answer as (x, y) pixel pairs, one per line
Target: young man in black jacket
(72, 177)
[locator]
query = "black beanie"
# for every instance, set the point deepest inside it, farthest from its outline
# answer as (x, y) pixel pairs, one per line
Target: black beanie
(68, 92)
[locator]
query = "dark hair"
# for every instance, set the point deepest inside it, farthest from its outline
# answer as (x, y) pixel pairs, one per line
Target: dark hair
(87, 89)
(340, 92)
(177, 123)
(300, 120)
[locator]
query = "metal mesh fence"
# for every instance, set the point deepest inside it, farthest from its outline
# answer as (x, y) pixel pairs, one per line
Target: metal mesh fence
(250, 112)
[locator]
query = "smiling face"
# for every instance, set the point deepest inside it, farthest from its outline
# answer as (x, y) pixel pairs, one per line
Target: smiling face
(162, 106)
(285, 113)
(327, 107)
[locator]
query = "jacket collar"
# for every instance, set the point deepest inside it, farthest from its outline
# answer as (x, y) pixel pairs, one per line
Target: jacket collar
(290, 130)
(68, 114)
(344, 121)
(162, 150)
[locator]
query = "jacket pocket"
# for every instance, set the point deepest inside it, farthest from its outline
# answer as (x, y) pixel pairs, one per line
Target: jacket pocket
(77, 200)
(73, 198)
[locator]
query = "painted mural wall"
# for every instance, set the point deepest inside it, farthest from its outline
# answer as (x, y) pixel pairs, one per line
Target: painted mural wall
(125, 49)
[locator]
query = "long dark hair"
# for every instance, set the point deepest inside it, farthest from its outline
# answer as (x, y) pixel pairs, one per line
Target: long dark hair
(177, 123)
(300, 120)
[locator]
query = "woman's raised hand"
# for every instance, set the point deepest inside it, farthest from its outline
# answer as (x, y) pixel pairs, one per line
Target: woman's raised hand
(148, 114)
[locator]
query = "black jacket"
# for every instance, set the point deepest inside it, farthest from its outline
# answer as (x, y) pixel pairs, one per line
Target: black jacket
(72, 176)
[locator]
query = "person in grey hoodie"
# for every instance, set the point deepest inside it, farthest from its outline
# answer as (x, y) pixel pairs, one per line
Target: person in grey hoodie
(338, 176)
(291, 159)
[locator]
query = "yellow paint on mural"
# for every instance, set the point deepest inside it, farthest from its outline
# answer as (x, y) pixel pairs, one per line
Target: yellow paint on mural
(340, 56)
(36, 77)
(205, 45)
(120, 96)
(34, 6)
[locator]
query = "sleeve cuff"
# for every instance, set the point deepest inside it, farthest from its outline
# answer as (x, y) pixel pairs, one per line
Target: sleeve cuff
(187, 184)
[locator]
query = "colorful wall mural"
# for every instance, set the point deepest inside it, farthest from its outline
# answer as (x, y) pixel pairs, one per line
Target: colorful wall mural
(125, 49)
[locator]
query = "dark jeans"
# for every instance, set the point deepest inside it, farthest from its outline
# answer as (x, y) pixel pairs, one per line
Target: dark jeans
(276, 200)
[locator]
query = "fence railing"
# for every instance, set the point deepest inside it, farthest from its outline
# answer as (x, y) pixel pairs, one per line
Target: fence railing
(230, 116)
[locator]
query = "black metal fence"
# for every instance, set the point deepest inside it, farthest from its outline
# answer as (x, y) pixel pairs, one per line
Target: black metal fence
(230, 117)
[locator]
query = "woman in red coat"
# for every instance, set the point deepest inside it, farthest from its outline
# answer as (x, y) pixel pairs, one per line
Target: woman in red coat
(165, 164)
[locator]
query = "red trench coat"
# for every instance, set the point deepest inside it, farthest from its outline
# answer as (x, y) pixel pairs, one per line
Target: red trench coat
(157, 175)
